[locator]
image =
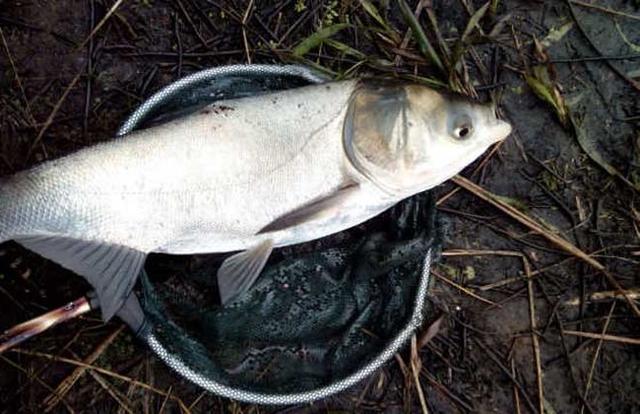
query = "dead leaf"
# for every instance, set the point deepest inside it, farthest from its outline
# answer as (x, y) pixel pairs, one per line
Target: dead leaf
(588, 145)
(539, 80)
(431, 332)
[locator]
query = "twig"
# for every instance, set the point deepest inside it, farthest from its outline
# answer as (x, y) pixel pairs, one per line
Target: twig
(87, 99)
(38, 380)
(197, 400)
(595, 58)
(17, 76)
(107, 372)
(130, 390)
(46, 366)
(445, 391)
(53, 113)
(533, 225)
(516, 395)
(166, 398)
(245, 18)
(115, 394)
(302, 19)
(471, 252)
(416, 377)
(567, 355)
(604, 9)
(190, 21)
(534, 335)
(15, 302)
(633, 293)
(102, 22)
(463, 289)
(147, 400)
(65, 386)
(176, 28)
(612, 338)
(545, 269)
(507, 372)
(204, 17)
(19, 23)
(595, 356)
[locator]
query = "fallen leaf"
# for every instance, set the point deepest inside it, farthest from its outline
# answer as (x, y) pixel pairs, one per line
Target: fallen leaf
(431, 332)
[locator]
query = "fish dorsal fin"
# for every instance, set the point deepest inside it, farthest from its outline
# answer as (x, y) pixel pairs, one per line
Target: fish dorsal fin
(324, 207)
(112, 270)
(238, 272)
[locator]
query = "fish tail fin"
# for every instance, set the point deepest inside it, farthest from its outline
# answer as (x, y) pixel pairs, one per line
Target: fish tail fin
(111, 269)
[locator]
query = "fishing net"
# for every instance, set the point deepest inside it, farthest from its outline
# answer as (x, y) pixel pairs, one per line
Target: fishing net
(322, 316)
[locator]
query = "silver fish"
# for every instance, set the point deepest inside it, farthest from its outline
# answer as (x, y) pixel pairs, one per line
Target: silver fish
(245, 174)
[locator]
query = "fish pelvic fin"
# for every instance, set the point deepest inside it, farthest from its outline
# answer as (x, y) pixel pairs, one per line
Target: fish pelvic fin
(238, 272)
(111, 269)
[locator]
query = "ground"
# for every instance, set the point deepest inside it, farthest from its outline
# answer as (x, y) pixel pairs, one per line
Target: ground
(534, 255)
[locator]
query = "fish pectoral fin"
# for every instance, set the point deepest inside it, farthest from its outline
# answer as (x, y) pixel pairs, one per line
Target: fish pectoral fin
(324, 207)
(112, 270)
(238, 272)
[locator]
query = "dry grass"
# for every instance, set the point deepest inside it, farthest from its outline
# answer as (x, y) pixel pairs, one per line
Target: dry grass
(530, 237)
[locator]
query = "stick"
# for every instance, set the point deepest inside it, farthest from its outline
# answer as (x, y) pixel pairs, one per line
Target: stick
(416, 376)
(26, 330)
(463, 289)
(102, 22)
(604, 9)
(595, 356)
(534, 335)
(613, 338)
(536, 227)
(106, 372)
(65, 386)
(53, 113)
(634, 293)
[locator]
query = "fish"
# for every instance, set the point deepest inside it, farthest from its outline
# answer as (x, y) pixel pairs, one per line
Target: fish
(242, 175)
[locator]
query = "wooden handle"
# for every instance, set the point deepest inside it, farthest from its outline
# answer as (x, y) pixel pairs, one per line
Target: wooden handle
(26, 330)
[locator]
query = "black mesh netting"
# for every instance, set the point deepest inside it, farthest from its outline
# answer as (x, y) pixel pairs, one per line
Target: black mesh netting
(311, 318)
(318, 312)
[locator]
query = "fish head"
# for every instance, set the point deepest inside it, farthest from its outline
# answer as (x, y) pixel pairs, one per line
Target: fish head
(409, 138)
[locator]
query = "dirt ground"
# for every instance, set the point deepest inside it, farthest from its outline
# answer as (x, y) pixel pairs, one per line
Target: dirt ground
(519, 299)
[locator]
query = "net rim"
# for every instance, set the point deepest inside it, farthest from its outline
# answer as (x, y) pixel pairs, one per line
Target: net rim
(174, 361)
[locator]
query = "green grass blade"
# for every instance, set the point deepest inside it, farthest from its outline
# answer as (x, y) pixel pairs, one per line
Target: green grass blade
(473, 21)
(345, 49)
(317, 38)
(421, 38)
(371, 9)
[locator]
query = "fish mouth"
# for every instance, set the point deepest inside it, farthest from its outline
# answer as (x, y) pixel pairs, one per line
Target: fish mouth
(500, 130)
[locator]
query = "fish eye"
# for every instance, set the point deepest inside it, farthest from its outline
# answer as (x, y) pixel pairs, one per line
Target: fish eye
(463, 128)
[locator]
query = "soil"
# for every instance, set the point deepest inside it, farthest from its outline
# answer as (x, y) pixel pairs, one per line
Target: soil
(580, 179)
